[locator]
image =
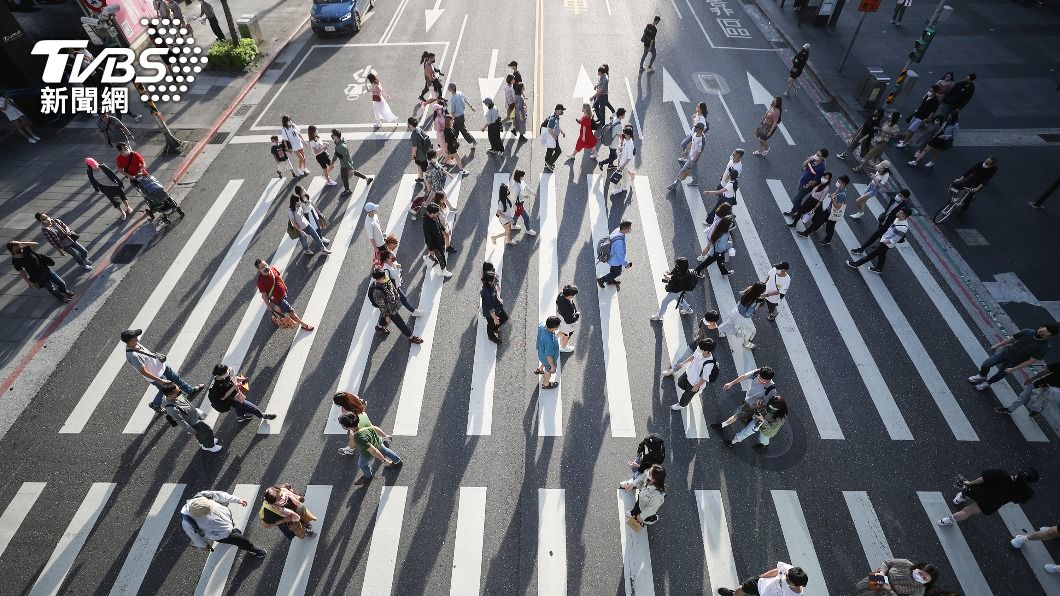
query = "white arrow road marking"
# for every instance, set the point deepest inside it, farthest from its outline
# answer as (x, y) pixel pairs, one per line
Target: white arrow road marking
(489, 86)
(760, 95)
(432, 14)
(672, 92)
(584, 88)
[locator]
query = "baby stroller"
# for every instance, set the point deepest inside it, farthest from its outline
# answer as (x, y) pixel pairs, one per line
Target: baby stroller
(158, 200)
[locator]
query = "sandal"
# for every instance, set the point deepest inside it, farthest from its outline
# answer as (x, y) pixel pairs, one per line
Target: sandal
(307, 327)
(381, 329)
(538, 371)
(550, 385)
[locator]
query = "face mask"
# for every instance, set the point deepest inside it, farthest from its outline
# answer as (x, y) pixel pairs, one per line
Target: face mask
(986, 165)
(920, 577)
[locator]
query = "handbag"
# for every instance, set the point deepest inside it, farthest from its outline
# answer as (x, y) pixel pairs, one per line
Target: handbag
(633, 523)
(292, 231)
(615, 178)
(321, 220)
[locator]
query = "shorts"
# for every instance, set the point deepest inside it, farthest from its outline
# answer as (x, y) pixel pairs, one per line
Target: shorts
(565, 327)
(687, 168)
(743, 415)
(872, 190)
(750, 586)
(323, 160)
(504, 219)
(914, 124)
(421, 163)
(285, 306)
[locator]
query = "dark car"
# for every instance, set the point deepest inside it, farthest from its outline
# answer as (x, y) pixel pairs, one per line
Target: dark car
(338, 16)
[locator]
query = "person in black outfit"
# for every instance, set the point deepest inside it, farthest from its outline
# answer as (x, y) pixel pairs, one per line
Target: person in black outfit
(798, 63)
(492, 305)
(862, 138)
(650, 451)
(648, 39)
(434, 238)
(960, 95)
(974, 179)
(886, 219)
(990, 491)
(568, 315)
(928, 105)
(830, 212)
(35, 269)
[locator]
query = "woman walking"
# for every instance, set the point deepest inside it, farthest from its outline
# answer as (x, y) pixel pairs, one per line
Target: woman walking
(437, 108)
(766, 423)
(798, 63)
(320, 151)
(299, 223)
(228, 392)
(586, 138)
(35, 269)
(651, 493)
(719, 241)
(726, 192)
(282, 507)
(311, 213)
(64, 240)
(18, 119)
(519, 113)
(678, 280)
(442, 200)
(699, 114)
(372, 442)
(888, 130)
(505, 214)
(292, 138)
(991, 491)
(492, 127)
(832, 209)
(106, 182)
(520, 193)
(452, 145)
(904, 578)
(941, 141)
(768, 126)
(396, 274)
(738, 321)
(492, 304)
(945, 83)
(430, 75)
(879, 179)
(568, 314)
(380, 108)
(807, 209)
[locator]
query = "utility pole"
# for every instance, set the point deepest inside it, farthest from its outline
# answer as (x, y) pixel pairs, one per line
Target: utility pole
(231, 24)
(919, 48)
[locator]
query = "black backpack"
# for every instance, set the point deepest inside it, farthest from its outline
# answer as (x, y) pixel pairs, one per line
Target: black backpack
(603, 249)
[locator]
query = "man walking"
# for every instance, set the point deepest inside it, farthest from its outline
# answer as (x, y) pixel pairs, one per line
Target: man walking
(434, 237)
(754, 399)
(64, 240)
(1017, 352)
(1041, 391)
(374, 231)
(206, 518)
(648, 39)
(695, 150)
(273, 291)
(547, 351)
(929, 104)
(207, 12)
(458, 103)
(779, 581)
(180, 412)
(899, 11)
(813, 167)
(152, 366)
(550, 134)
(610, 136)
(890, 213)
(894, 235)
(617, 254)
(959, 96)
(342, 155)
(420, 145)
(383, 294)
(113, 131)
(702, 369)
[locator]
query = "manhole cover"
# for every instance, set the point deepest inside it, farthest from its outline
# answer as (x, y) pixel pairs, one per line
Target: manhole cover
(712, 83)
(243, 110)
(126, 254)
(218, 138)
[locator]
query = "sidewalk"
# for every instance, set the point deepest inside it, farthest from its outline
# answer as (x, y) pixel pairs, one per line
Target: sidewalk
(1000, 251)
(50, 176)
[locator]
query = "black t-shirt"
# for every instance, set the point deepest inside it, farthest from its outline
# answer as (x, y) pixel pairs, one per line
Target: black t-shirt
(279, 152)
(35, 265)
(650, 31)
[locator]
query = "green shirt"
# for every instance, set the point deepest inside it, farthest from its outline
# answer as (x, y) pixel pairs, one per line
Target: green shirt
(365, 436)
(342, 155)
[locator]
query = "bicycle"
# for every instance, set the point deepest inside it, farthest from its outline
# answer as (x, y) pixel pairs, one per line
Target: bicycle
(959, 199)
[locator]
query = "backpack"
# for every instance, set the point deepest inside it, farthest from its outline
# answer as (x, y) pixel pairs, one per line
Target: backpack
(607, 133)
(690, 283)
(716, 371)
(603, 249)
(655, 448)
(423, 142)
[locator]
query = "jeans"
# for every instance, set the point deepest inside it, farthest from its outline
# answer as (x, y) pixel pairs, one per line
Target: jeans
(899, 12)
(748, 431)
(669, 299)
(204, 434)
(398, 321)
(364, 461)
(648, 49)
(1035, 399)
(879, 253)
(796, 201)
(247, 408)
(174, 377)
(54, 284)
(685, 354)
(525, 217)
(719, 258)
(552, 154)
(405, 300)
(311, 231)
(79, 253)
(236, 538)
(612, 276)
(998, 360)
(460, 127)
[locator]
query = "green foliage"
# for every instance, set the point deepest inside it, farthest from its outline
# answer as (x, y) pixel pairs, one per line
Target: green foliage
(227, 55)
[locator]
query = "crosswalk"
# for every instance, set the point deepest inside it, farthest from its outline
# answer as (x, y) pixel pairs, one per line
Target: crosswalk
(723, 528)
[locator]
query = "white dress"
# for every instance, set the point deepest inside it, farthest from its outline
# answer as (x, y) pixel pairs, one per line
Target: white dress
(10, 110)
(380, 109)
(292, 135)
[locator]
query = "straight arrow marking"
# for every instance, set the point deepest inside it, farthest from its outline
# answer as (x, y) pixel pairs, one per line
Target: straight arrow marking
(489, 85)
(432, 14)
(760, 95)
(672, 92)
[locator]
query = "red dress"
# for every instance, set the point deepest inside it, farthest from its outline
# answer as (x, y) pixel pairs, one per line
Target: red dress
(586, 138)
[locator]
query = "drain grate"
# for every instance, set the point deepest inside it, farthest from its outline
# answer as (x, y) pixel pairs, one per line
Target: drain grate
(780, 45)
(218, 138)
(828, 106)
(243, 110)
(126, 254)
(1049, 137)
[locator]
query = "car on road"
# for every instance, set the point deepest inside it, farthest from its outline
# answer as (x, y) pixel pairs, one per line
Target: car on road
(338, 16)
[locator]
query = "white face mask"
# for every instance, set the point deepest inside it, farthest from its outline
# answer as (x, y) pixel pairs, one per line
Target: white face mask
(920, 577)
(986, 165)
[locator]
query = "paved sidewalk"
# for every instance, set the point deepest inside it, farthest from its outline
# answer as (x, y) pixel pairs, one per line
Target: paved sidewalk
(50, 176)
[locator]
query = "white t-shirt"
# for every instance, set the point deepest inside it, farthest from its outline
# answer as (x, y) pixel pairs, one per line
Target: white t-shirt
(292, 136)
(778, 585)
(616, 139)
(394, 272)
(700, 367)
(695, 147)
(738, 166)
(307, 205)
(625, 152)
(776, 283)
(375, 233)
(317, 146)
(727, 190)
(296, 217)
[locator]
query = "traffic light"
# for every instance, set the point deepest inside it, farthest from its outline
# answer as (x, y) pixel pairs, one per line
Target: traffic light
(920, 46)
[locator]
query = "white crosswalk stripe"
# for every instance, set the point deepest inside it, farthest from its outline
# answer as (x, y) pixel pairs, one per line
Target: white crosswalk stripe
(636, 555)
(470, 532)
(143, 549)
(717, 542)
(286, 387)
(51, 578)
(870, 373)
(551, 541)
(484, 369)
(116, 362)
(867, 525)
(219, 562)
(299, 562)
(386, 538)
(196, 320)
(797, 538)
(954, 545)
(18, 508)
(414, 383)
(616, 366)
(550, 401)
(1034, 551)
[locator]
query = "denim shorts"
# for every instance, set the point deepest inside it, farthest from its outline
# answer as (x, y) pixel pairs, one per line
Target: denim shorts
(285, 306)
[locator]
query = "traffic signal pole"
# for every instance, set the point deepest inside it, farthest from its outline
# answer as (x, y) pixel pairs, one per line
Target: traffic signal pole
(918, 52)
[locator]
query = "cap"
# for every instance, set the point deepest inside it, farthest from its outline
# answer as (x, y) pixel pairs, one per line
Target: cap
(452, 86)
(130, 334)
(513, 63)
(700, 126)
(200, 507)
(560, 107)
(370, 207)
(488, 101)
(91, 162)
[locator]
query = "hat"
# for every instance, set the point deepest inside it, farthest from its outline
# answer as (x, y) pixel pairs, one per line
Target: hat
(700, 126)
(200, 507)
(560, 107)
(91, 162)
(488, 101)
(130, 334)
(370, 207)
(452, 86)
(513, 63)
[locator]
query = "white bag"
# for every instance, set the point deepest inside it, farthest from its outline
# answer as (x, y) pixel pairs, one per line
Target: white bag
(731, 252)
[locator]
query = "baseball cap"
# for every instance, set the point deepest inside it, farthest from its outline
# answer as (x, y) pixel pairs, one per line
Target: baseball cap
(700, 126)
(130, 334)
(370, 207)
(200, 507)
(513, 63)
(560, 107)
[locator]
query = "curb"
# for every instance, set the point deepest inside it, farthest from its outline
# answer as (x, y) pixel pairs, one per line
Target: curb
(188, 161)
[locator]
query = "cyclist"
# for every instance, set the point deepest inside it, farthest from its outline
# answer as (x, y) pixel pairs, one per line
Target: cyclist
(974, 179)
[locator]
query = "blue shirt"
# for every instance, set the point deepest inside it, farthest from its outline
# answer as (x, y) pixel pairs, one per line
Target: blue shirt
(457, 104)
(618, 250)
(810, 172)
(547, 345)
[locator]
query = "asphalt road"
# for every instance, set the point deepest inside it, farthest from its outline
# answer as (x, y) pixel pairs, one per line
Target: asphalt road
(418, 536)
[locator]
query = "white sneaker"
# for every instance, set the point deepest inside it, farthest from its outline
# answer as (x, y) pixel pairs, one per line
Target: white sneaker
(976, 379)
(686, 311)
(347, 451)
(427, 259)
(946, 521)
(417, 313)
(326, 251)
(676, 407)
(447, 273)
(531, 233)
(1051, 568)
(982, 386)
(32, 140)
(656, 318)
(567, 350)
(959, 498)
(216, 447)
(858, 215)
(38, 138)
(1018, 541)
(326, 240)
(929, 164)
(722, 335)
(516, 227)
(701, 258)
(749, 345)
(330, 183)
(911, 163)
(669, 372)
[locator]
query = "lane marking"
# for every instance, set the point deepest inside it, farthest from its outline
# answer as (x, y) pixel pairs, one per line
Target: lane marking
(287, 381)
(142, 551)
(636, 555)
(393, 22)
(824, 418)
(551, 542)
(484, 370)
(300, 553)
(867, 525)
(797, 539)
(633, 110)
(97, 389)
(219, 562)
(870, 373)
(394, 134)
(549, 402)
(673, 330)
(352, 375)
(678, 11)
(954, 545)
(616, 366)
(725, 104)
(717, 542)
(17, 510)
(1034, 551)
(918, 354)
(470, 533)
(704, 31)
(205, 307)
(414, 383)
(964, 334)
(386, 538)
(456, 51)
(51, 578)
